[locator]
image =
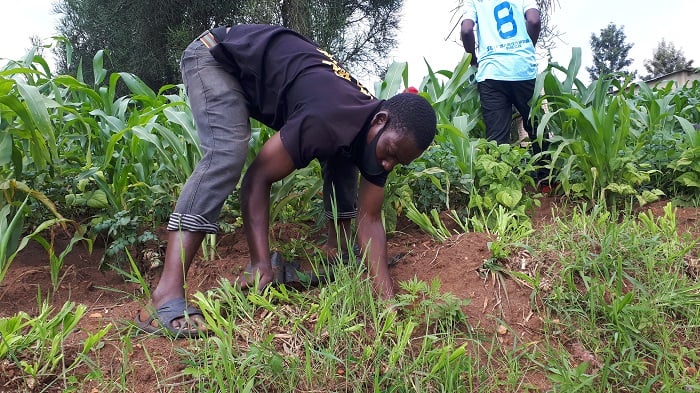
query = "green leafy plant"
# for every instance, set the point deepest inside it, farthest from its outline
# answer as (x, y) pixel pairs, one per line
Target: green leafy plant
(121, 233)
(431, 224)
(11, 232)
(501, 172)
(426, 302)
(44, 337)
(593, 155)
(11, 240)
(687, 166)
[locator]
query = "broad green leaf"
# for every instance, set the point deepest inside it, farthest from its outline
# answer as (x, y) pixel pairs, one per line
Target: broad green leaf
(459, 78)
(5, 148)
(622, 189)
(77, 86)
(97, 199)
(396, 75)
(98, 69)
(9, 236)
(509, 197)
(689, 179)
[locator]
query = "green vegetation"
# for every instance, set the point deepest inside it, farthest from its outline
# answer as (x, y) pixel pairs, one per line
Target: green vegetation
(620, 310)
(147, 38)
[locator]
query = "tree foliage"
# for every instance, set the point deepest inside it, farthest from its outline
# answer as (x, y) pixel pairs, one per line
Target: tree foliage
(610, 53)
(147, 37)
(549, 31)
(358, 33)
(665, 60)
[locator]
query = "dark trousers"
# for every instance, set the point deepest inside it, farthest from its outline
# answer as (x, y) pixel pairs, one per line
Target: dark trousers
(340, 184)
(497, 101)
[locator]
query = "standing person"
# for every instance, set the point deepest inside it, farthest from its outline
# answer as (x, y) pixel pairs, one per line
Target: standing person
(507, 67)
(285, 81)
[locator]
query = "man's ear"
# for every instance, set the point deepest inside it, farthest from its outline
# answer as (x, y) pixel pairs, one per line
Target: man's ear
(380, 118)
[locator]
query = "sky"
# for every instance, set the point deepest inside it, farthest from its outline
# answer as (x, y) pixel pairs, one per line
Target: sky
(429, 33)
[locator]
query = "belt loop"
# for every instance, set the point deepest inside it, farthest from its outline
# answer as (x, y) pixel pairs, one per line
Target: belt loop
(208, 39)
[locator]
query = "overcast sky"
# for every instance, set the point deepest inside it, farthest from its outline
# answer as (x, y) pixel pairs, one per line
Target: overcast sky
(427, 30)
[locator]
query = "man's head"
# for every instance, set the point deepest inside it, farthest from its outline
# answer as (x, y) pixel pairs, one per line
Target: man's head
(407, 125)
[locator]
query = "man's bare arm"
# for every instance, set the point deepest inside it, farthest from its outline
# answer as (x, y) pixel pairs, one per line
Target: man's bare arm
(372, 236)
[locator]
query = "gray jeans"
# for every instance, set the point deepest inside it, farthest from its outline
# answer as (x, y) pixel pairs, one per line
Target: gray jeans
(220, 111)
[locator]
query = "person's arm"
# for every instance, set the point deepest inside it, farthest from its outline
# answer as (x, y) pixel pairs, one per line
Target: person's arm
(468, 39)
(534, 24)
(372, 237)
(271, 164)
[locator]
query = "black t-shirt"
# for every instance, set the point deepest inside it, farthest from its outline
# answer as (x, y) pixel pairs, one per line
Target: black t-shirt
(297, 88)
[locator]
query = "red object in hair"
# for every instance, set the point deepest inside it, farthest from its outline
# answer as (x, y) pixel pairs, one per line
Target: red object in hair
(411, 90)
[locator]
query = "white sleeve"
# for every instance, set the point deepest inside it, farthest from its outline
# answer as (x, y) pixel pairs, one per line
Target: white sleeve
(469, 10)
(529, 4)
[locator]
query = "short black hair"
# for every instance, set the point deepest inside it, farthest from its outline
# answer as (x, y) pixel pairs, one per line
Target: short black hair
(412, 114)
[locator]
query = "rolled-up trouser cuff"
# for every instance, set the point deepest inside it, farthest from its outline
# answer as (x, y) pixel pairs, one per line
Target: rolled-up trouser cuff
(341, 215)
(190, 223)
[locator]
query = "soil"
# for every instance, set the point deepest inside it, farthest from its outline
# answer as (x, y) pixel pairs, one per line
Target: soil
(457, 263)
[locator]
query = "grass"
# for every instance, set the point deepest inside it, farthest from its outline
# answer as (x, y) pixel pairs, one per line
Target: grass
(620, 315)
(623, 298)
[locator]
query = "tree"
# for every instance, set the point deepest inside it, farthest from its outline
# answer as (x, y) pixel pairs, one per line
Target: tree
(548, 31)
(610, 53)
(147, 37)
(665, 60)
(358, 33)
(139, 36)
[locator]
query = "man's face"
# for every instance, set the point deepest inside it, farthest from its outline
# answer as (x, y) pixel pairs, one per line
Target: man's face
(395, 148)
